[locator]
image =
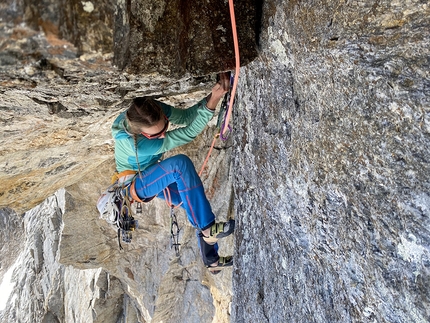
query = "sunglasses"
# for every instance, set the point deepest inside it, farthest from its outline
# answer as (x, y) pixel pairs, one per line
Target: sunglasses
(158, 134)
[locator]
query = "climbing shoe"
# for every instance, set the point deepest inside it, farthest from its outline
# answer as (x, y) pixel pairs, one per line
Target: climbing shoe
(223, 262)
(220, 230)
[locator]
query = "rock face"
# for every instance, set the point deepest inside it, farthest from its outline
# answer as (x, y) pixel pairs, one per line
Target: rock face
(57, 110)
(64, 78)
(47, 291)
(331, 165)
(181, 37)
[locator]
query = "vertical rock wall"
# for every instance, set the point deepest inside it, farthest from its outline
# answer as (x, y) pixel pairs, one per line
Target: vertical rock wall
(331, 165)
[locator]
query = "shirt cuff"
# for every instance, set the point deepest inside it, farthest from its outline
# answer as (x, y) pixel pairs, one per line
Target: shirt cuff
(204, 102)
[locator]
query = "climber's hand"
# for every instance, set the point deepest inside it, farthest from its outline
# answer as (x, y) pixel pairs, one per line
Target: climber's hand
(219, 90)
(224, 80)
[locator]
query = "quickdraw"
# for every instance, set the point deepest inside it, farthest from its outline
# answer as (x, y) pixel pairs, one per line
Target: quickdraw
(174, 232)
(222, 123)
(230, 96)
(174, 227)
(237, 63)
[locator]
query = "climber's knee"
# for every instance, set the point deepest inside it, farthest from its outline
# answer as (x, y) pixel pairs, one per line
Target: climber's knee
(183, 162)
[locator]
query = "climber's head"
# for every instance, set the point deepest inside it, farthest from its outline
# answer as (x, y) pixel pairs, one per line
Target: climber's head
(146, 117)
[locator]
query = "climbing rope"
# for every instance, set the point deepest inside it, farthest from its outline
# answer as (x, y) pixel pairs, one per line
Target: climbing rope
(236, 73)
(231, 94)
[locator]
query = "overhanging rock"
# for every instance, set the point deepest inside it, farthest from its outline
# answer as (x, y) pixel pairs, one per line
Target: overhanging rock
(180, 37)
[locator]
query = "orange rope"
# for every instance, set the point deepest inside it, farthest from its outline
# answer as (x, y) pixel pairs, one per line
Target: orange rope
(209, 153)
(168, 199)
(236, 74)
(233, 89)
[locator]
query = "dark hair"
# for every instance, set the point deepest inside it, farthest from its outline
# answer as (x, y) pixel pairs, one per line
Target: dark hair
(144, 111)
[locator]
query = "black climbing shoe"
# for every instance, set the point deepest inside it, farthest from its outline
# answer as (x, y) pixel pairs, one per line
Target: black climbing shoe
(223, 262)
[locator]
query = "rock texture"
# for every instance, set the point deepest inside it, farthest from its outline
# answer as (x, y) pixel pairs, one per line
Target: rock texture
(57, 110)
(331, 165)
(47, 291)
(181, 37)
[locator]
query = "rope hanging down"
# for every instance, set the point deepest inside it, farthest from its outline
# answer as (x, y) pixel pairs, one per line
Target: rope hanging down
(236, 72)
(174, 228)
(229, 108)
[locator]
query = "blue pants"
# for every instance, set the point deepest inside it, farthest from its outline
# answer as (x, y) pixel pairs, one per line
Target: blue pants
(179, 175)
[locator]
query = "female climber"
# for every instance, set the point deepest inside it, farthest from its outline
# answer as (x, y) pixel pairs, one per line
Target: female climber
(141, 137)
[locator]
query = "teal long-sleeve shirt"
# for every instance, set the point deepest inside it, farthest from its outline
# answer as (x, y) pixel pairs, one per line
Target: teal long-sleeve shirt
(149, 151)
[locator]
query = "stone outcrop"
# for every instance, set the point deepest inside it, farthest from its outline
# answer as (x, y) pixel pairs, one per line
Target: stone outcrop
(65, 77)
(46, 290)
(57, 110)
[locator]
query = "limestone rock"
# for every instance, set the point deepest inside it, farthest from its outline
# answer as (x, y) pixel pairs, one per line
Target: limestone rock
(331, 165)
(47, 291)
